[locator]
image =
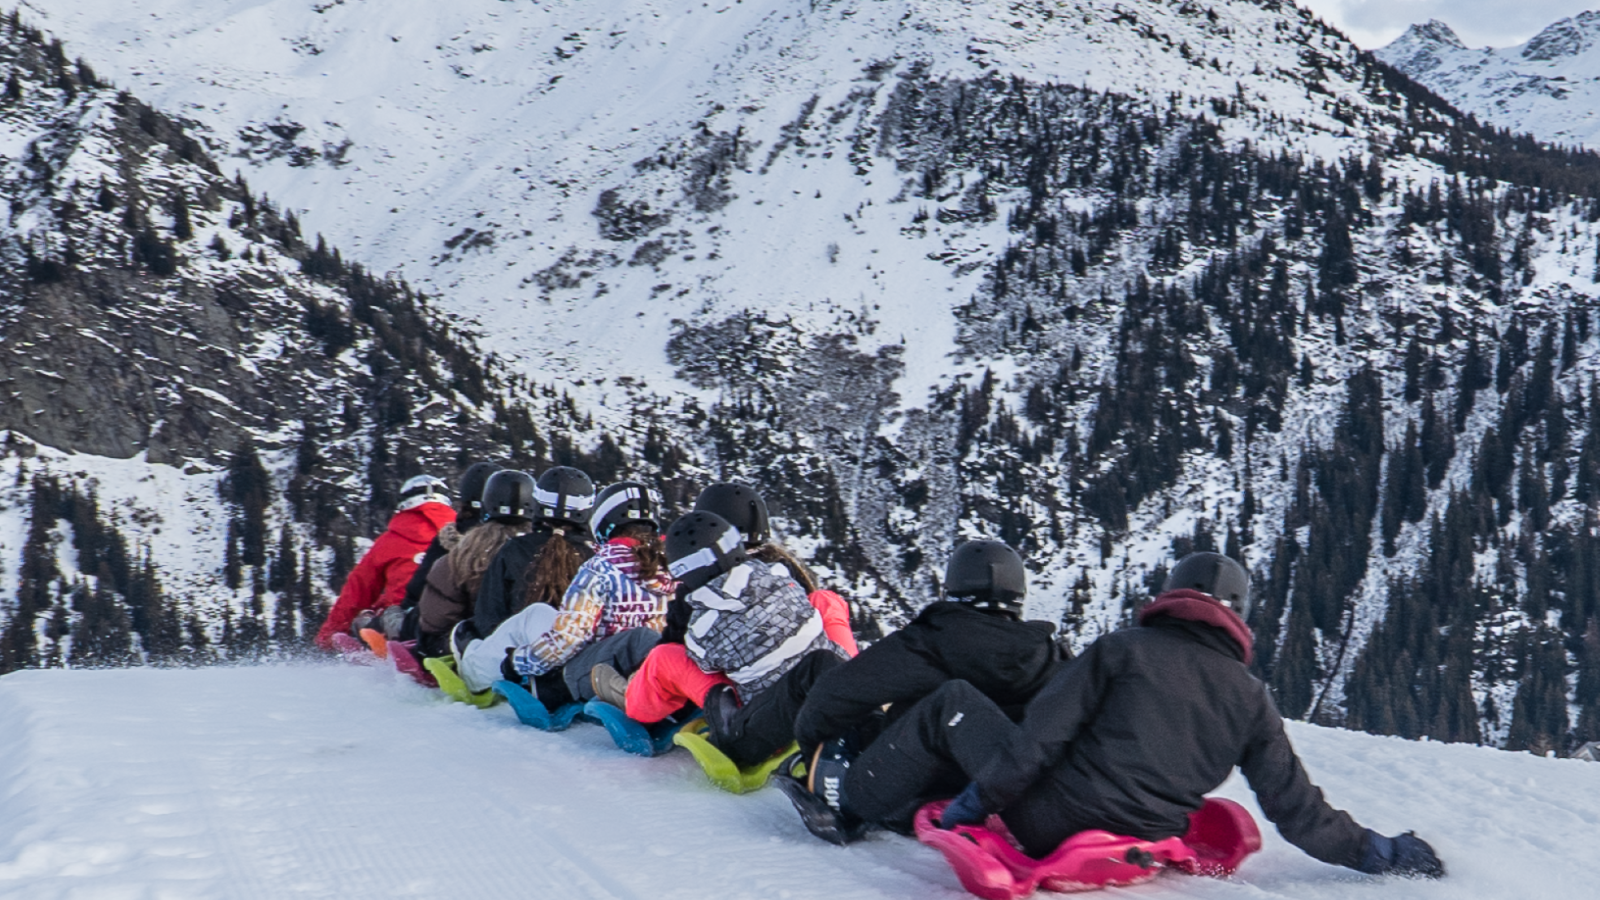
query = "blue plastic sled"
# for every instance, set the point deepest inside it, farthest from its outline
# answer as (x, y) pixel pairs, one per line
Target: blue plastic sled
(634, 737)
(531, 712)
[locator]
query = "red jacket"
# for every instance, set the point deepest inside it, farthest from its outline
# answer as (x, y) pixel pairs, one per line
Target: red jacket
(379, 580)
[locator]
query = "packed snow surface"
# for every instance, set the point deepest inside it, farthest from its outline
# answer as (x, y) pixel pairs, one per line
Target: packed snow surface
(318, 780)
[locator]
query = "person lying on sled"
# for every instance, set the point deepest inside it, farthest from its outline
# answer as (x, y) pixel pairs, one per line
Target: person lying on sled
(1127, 738)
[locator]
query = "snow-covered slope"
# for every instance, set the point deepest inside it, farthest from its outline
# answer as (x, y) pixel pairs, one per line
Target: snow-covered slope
(467, 145)
(333, 781)
(1548, 87)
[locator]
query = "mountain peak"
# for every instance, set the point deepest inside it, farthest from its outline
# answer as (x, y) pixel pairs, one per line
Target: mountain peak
(1568, 37)
(1434, 31)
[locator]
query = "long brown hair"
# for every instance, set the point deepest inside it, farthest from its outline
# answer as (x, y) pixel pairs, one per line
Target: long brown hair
(649, 552)
(770, 553)
(552, 570)
(471, 556)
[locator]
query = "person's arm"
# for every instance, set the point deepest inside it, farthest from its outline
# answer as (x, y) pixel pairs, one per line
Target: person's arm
(419, 578)
(886, 672)
(586, 598)
(443, 603)
(835, 619)
(1291, 801)
(360, 592)
(1054, 718)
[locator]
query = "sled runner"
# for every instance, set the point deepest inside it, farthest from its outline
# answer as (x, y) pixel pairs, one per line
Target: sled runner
(376, 642)
(531, 712)
(1221, 834)
(719, 768)
(634, 737)
(405, 662)
(353, 651)
(443, 670)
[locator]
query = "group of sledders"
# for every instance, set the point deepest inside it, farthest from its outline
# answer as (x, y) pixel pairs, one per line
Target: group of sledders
(971, 727)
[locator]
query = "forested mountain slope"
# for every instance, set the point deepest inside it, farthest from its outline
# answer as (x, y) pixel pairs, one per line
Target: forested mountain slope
(1110, 281)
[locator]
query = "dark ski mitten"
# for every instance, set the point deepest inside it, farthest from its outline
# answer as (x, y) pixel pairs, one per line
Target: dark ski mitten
(507, 670)
(1404, 854)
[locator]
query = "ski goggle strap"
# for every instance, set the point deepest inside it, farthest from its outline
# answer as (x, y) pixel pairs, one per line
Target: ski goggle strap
(707, 557)
(618, 499)
(561, 502)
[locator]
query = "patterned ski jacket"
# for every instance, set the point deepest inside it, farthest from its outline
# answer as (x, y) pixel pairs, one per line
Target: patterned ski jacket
(753, 624)
(605, 597)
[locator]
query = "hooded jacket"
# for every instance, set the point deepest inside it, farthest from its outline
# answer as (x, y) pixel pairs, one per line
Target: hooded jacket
(753, 623)
(1007, 659)
(606, 597)
(379, 580)
(503, 589)
(1131, 735)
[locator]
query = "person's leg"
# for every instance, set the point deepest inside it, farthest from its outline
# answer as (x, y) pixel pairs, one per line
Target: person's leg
(928, 753)
(624, 651)
(666, 681)
(480, 660)
(765, 725)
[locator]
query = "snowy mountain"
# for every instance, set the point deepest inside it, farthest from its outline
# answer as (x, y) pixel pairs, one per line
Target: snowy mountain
(203, 409)
(1548, 87)
(325, 781)
(1110, 281)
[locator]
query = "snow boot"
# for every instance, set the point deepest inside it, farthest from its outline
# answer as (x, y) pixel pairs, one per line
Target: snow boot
(609, 685)
(815, 791)
(721, 713)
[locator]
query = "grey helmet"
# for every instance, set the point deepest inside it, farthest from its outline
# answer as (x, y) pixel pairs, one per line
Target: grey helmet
(623, 503)
(565, 495)
(987, 575)
(1215, 575)
(741, 506)
(508, 497)
(422, 489)
(701, 546)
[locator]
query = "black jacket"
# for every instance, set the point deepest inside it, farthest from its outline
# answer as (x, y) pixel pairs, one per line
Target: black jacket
(504, 587)
(1130, 736)
(420, 576)
(1008, 660)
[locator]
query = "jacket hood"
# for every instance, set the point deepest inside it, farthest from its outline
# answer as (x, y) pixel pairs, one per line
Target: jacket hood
(420, 524)
(1192, 606)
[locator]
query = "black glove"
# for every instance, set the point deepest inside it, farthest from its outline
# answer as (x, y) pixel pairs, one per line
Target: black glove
(1404, 854)
(507, 670)
(965, 809)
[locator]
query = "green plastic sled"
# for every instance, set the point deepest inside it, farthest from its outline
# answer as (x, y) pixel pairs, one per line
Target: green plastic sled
(443, 669)
(719, 768)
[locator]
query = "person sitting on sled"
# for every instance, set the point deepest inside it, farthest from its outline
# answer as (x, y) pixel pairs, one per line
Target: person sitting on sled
(976, 635)
(1128, 739)
(469, 514)
(378, 582)
(537, 567)
(612, 613)
(748, 633)
(507, 510)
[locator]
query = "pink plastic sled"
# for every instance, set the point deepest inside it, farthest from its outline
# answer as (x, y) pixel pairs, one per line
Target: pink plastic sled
(988, 863)
(406, 662)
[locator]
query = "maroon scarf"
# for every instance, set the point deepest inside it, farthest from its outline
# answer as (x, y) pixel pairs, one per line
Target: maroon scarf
(1193, 606)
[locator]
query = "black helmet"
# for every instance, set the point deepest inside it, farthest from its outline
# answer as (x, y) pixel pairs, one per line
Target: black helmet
(988, 575)
(564, 494)
(622, 504)
(508, 497)
(470, 488)
(422, 489)
(701, 546)
(1213, 574)
(741, 506)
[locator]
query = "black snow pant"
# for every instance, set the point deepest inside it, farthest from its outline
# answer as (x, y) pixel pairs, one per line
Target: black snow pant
(933, 751)
(928, 753)
(624, 651)
(765, 725)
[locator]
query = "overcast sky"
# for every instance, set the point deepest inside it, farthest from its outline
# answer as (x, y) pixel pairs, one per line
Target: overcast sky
(1493, 23)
